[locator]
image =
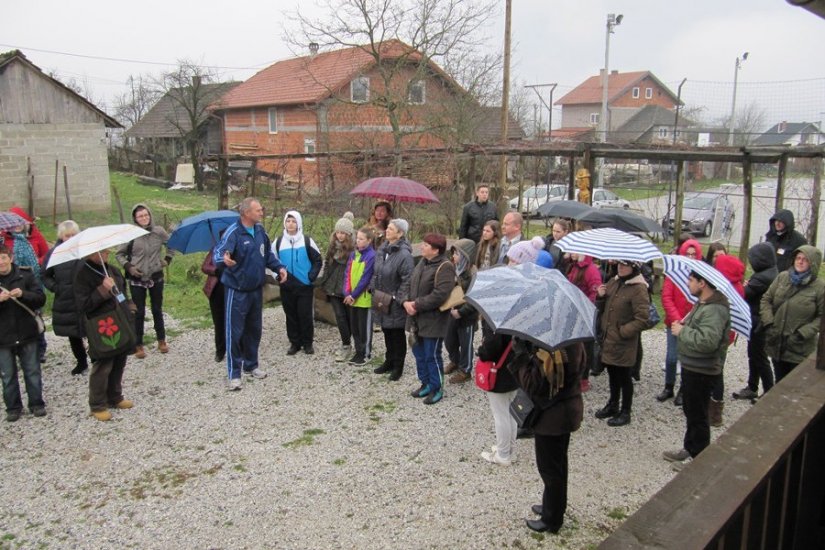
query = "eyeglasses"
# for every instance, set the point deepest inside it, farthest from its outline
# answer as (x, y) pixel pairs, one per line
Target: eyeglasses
(690, 254)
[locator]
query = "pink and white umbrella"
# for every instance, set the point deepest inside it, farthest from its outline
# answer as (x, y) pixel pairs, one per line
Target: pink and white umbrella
(394, 189)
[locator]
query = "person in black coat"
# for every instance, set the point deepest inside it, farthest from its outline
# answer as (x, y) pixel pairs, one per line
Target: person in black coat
(98, 287)
(784, 238)
(59, 279)
(762, 258)
(20, 295)
(476, 213)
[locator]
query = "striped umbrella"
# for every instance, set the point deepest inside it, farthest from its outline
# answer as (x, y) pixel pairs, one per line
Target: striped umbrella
(678, 268)
(394, 189)
(10, 220)
(534, 303)
(609, 244)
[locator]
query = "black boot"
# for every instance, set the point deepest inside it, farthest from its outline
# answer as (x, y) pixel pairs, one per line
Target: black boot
(621, 419)
(666, 393)
(609, 410)
(385, 367)
(678, 400)
(397, 371)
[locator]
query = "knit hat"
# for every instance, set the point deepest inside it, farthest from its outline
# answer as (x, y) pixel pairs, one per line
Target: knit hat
(345, 223)
(544, 259)
(436, 240)
(526, 251)
(401, 224)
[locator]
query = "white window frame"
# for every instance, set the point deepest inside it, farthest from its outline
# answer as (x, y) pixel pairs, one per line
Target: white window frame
(663, 132)
(594, 118)
(272, 118)
(648, 93)
(309, 147)
(364, 81)
(635, 92)
(417, 85)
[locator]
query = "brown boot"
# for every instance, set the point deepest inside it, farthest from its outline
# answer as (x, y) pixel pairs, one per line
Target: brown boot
(715, 409)
(140, 353)
(163, 347)
(451, 367)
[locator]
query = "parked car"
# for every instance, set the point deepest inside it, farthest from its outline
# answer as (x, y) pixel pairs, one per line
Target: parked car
(604, 198)
(699, 212)
(535, 196)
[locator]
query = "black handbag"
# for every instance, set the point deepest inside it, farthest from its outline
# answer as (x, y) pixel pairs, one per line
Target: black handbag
(523, 410)
(111, 333)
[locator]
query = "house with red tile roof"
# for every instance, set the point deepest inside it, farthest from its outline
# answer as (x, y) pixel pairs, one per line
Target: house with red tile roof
(627, 94)
(368, 100)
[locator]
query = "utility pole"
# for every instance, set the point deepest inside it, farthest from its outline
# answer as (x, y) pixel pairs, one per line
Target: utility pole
(505, 99)
(549, 106)
(732, 125)
(613, 21)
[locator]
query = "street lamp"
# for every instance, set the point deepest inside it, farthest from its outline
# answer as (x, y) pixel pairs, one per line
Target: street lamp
(732, 126)
(613, 21)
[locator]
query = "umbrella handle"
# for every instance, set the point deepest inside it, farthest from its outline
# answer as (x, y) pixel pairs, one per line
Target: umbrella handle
(115, 291)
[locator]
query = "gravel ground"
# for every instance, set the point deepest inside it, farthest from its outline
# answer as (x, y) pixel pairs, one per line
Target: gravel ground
(317, 455)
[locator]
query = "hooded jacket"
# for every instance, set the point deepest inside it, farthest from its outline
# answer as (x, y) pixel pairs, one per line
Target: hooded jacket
(703, 344)
(145, 253)
(17, 326)
(465, 274)
(591, 278)
(358, 275)
(624, 314)
(786, 242)
(391, 273)
(762, 258)
(35, 237)
(734, 271)
(60, 280)
(302, 262)
(791, 314)
(675, 303)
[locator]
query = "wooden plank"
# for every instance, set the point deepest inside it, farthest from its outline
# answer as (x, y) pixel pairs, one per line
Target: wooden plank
(747, 189)
(691, 510)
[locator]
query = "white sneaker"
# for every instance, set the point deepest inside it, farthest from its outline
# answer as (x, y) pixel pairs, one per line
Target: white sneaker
(257, 373)
(234, 384)
(494, 448)
(495, 458)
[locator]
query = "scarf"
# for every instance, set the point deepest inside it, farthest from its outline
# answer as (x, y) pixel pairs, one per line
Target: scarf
(24, 255)
(553, 368)
(797, 279)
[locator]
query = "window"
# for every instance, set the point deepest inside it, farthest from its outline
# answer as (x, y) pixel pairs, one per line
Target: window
(663, 133)
(635, 92)
(594, 118)
(648, 93)
(273, 120)
(309, 147)
(418, 93)
(360, 89)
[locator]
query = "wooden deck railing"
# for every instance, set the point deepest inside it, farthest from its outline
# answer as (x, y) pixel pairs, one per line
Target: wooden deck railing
(760, 485)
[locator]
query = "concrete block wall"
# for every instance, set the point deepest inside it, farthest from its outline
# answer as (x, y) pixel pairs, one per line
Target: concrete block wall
(81, 147)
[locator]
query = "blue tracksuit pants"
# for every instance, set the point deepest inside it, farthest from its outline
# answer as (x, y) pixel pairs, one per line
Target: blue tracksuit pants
(243, 330)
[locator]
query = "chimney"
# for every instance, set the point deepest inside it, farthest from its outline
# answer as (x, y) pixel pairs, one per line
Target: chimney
(782, 126)
(313, 49)
(601, 73)
(614, 71)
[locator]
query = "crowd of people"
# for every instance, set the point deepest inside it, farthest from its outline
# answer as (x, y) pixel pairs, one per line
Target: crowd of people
(373, 283)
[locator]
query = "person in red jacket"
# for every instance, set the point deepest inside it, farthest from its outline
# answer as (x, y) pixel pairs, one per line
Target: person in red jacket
(33, 234)
(586, 276)
(676, 306)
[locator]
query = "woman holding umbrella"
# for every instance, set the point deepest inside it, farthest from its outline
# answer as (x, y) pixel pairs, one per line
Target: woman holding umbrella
(623, 304)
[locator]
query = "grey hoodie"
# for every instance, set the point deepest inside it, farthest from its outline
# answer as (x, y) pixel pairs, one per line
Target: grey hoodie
(146, 252)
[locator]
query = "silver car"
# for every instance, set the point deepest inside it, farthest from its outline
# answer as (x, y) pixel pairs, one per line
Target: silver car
(700, 211)
(535, 196)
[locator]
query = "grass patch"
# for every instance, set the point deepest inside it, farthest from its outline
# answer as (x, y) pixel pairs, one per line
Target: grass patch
(617, 513)
(339, 461)
(308, 438)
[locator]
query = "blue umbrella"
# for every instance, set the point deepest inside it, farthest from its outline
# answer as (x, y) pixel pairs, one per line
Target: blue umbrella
(678, 268)
(609, 244)
(535, 304)
(199, 233)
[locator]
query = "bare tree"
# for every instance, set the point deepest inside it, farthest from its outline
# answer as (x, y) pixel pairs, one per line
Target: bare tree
(750, 120)
(191, 95)
(403, 37)
(136, 102)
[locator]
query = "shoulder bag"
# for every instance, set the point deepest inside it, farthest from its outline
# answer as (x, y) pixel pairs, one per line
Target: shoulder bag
(523, 410)
(486, 371)
(381, 301)
(111, 333)
(456, 297)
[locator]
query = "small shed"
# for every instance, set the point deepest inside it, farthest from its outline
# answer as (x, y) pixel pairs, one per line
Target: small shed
(43, 121)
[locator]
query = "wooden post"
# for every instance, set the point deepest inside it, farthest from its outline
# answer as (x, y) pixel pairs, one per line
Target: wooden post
(816, 195)
(571, 178)
(54, 203)
(780, 182)
(66, 189)
(30, 185)
(747, 207)
(223, 199)
(252, 185)
(680, 199)
(119, 205)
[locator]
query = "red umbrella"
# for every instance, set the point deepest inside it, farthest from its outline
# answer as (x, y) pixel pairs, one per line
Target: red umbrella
(395, 189)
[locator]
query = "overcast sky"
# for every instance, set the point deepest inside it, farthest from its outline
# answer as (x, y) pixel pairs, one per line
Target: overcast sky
(559, 41)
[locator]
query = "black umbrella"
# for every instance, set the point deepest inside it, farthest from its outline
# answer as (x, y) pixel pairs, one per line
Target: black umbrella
(621, 219)
(564, 209)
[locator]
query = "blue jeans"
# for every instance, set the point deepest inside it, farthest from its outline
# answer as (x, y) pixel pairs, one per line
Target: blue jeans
(670, 359)
(27, 353)
(428, 361)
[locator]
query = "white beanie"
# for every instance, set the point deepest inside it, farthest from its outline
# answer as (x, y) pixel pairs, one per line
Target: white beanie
(526, 251)
(345, 223)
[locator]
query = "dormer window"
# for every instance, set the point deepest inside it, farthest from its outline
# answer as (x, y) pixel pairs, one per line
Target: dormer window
(635, 92)
(360, 89)
(418, 93)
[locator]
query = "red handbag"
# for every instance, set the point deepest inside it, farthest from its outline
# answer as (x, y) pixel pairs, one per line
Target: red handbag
(486, 370)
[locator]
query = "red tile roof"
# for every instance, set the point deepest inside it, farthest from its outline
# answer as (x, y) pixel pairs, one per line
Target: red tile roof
(590, 91)
(308, 79)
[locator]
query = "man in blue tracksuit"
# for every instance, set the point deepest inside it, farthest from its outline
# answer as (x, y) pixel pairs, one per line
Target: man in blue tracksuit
(244, 253)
